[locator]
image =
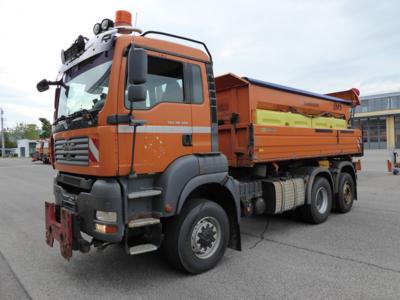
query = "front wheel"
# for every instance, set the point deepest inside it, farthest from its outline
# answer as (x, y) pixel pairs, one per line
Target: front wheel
(321, 202)
(197, 238)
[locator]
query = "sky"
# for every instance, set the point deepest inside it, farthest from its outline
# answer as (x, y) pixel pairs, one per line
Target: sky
(321, 46)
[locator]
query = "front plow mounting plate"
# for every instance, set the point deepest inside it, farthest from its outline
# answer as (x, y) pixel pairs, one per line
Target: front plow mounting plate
(61, 231)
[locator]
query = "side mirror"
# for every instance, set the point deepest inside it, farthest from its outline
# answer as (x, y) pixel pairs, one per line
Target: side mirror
(137, 65)
(42, 85)
(137, 93)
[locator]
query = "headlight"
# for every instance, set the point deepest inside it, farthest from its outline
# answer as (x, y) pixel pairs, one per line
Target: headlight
(106, 216)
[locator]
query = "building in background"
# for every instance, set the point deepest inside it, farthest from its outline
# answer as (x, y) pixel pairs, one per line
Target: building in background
(26, 148)
(379, 117)
(10, 152)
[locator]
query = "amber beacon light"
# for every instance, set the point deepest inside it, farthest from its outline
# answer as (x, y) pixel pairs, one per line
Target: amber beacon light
(123, 18)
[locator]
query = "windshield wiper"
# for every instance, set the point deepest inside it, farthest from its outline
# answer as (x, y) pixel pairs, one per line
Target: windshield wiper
(84, 112)
(78, 113)
(63, 117)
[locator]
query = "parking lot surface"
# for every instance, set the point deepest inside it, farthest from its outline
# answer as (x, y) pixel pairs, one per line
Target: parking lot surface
(351, 256)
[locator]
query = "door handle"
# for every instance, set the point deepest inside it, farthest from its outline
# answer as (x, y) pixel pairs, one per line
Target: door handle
(187, 139)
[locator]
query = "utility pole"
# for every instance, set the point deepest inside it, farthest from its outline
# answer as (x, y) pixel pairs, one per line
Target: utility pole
(3, 151)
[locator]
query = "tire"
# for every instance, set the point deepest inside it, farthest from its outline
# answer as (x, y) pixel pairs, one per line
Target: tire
(346, 193)
(321, 202)
(183, 244)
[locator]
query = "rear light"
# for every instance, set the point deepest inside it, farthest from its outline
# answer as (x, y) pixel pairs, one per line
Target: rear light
(356, 91)
(106, 216)
(102, 228)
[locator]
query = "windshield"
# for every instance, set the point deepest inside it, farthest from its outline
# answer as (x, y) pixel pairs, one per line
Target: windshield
(86, 86)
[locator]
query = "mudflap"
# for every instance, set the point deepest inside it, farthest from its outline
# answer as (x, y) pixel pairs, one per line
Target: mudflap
(61, 231)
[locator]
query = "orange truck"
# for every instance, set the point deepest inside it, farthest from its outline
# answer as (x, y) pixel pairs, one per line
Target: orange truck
(42, 152)
(152, 150)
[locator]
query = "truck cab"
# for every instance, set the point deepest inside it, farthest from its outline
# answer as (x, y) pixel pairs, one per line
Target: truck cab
(123, 163)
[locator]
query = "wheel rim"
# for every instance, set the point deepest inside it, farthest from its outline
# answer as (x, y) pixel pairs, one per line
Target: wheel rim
(347, 193)
(321, 200)
(206, 237)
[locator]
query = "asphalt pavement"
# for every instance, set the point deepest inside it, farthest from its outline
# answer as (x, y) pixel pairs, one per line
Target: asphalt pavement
(351, 256)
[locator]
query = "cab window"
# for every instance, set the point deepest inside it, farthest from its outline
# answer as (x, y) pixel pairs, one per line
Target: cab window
(164, 83)
(197, 85)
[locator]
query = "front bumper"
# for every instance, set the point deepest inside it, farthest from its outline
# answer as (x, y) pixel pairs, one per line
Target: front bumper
(73, 213)
(77, 209)
(104, 195)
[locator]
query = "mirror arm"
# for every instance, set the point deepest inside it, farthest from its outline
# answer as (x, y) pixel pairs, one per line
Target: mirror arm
(59, 82)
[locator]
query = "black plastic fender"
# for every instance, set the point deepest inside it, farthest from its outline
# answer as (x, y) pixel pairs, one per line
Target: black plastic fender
(222, 179)
(198, 169)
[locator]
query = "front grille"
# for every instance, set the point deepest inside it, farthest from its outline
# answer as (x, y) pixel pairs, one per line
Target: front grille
(74, 151)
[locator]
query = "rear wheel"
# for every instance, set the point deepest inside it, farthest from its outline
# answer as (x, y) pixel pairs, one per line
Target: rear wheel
(196, 239)
(321, 202)
(346, 194)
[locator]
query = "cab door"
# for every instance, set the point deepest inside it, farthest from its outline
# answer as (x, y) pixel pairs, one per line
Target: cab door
(167, 132)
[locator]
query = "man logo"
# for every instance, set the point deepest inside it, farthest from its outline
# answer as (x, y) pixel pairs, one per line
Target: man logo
(69, 146)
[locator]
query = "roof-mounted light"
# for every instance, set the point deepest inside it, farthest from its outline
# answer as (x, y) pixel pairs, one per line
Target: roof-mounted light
(96, 28)
(123, 22)
(106, 24)
(76, 49)
(123, 18)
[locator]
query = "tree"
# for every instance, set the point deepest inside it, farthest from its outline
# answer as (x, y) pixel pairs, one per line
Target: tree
(8, 141)
(18, 131)
(24, 131)
(46, 128)
(31, 132)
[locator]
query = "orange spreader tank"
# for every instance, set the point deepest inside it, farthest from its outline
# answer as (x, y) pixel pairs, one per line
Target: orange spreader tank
(247, 141)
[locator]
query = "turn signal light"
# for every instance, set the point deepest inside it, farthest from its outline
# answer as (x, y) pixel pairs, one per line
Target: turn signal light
(123, 18)
(102, 228)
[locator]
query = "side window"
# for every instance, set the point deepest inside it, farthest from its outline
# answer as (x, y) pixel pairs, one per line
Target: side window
(195, 72)
(164, 83)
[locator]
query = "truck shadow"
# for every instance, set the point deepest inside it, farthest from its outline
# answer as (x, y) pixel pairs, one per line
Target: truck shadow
(113, 267)
(278, 226)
